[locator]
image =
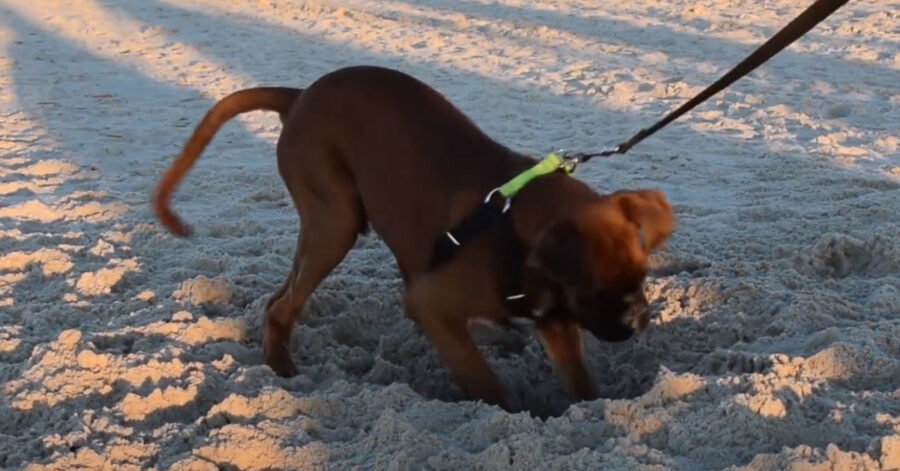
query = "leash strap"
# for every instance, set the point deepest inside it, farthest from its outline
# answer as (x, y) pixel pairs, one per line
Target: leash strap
(806, 21)
(487, 214)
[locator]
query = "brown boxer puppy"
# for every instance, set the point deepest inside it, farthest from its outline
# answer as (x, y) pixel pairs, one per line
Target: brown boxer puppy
(372, 146)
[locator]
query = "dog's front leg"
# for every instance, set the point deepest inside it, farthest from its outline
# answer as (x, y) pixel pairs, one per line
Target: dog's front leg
(458, 351)
(562, 341)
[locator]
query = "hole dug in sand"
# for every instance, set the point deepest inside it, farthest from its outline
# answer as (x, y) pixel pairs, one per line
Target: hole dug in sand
(387, 348)
(356, 332)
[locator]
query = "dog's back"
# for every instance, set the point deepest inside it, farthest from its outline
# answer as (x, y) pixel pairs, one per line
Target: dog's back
(416, 161)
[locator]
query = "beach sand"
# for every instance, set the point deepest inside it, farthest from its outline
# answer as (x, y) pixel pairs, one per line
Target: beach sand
(776, 337)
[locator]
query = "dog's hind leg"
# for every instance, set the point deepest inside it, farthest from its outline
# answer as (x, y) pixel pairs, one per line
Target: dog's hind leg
(330, 222)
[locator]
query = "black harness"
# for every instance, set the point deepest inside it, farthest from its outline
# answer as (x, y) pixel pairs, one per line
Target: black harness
(490, 218)
(485, 217)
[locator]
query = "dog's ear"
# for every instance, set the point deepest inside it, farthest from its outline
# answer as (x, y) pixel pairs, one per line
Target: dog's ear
(561, 253)
(650, 212)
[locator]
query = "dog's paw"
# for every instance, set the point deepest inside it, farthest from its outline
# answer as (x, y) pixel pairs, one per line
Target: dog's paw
(511, 403)
(282, 365)
(279, 359)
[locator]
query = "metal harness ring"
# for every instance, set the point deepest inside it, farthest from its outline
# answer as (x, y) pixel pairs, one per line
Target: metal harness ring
(490, 195)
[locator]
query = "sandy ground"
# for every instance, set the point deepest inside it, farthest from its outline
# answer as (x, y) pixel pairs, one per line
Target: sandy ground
(776, 341)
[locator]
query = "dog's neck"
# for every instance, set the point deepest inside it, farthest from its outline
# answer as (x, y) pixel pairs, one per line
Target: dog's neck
(538, 205)
(545, 201)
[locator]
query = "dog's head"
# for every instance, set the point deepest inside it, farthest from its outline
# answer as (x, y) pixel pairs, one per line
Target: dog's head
(591, 267)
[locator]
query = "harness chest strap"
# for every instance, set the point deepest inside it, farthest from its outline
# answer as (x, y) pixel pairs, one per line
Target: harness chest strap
(490, 218)
(487, 214)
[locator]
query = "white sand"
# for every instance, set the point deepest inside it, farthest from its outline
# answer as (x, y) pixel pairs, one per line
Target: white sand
(777, 340)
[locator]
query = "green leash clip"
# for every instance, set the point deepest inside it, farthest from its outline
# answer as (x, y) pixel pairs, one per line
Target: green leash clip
(549, 164)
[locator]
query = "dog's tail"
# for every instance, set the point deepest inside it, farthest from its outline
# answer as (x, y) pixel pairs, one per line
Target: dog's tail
(278, 99)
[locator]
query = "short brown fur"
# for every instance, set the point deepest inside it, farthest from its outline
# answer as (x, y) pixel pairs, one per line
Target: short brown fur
(368, 145)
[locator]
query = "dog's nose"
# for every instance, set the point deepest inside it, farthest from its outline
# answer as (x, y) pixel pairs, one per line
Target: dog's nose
(615, 332)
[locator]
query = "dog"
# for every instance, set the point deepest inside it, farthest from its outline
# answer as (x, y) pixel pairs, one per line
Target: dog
(368, 146)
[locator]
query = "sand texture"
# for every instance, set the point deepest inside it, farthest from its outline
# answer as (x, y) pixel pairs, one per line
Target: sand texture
(776, 337)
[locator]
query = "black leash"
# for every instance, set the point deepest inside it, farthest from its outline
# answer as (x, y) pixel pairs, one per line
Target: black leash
(806, 21)
(489, 215)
